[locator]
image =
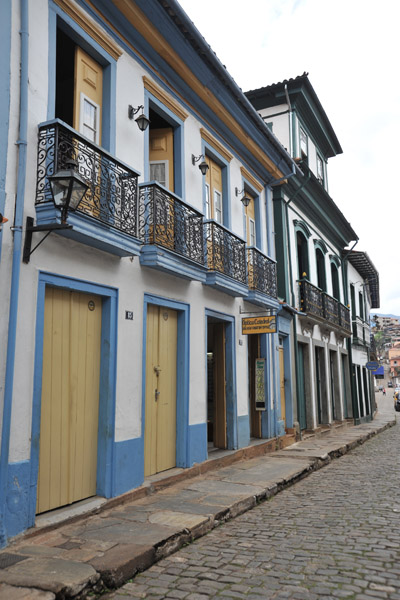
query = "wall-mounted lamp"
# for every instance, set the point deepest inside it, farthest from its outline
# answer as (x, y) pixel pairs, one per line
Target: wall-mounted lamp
(203, 166)
(142, 121)
(244, 199)
(67, 189)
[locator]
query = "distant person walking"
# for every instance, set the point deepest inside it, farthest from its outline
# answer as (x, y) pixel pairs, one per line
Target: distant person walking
(384, 391)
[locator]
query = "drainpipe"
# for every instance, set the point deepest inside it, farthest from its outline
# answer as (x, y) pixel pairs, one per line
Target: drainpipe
(16, 263)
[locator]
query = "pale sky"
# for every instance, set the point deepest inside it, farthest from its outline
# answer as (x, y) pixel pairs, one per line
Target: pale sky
(350, 48)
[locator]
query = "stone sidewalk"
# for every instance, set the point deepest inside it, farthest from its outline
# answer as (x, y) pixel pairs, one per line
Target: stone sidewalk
(94, 552)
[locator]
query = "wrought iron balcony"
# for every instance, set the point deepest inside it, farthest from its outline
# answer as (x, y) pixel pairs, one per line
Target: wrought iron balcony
(226, 253)
(112, 194)
(261, 272)
(322, 308)
(311, 301)
(164, 220)
(331, 309)
(344, 315)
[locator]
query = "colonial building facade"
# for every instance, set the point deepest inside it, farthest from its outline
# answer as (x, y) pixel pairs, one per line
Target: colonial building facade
(122, 320)
(311, 240)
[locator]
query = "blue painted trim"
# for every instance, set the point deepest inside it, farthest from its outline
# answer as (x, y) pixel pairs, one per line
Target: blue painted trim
(243, 431)
(261, 299)
(151, 102)
(197, 452)
(210, 151)
(128, 471)
(167, 261)
(16, 264)
(107, 381)
(225, 284)
(5, 73)
(182, 375)
(89, 231)
(230, 374)
(58, 18)
(17, 501)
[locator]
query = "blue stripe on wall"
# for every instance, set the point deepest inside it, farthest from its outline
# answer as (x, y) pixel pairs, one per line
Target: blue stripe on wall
(197, 451)
(128, 465)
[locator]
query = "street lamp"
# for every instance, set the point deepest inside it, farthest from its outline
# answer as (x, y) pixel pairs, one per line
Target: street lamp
(67, 190)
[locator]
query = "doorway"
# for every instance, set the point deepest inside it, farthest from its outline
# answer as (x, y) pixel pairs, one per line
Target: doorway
(254, 352)
(216, 386)
(70, 398)
(161, 389)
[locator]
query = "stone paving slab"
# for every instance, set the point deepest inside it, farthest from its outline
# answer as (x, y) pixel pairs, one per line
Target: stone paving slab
(100, 551)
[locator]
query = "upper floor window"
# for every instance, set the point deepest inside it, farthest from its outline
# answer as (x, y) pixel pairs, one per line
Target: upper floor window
(79, 88)
(335, 281)
(321, 276)
(302, 255)
(361, 304)
(303, 145)
(161, 151)
(320, 170)
(214, 191)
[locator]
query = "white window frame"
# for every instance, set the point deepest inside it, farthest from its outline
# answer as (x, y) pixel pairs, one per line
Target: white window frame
(208, 202)
(166, 165)
(218, 212)
(82, 124)
(252, 232)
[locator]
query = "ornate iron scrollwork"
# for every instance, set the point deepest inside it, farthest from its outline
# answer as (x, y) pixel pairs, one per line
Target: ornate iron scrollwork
(113, 188)
(168, 222)
(226, 253)
(261, 272)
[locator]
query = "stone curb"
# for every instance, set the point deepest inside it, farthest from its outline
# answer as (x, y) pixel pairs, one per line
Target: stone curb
(119, 564)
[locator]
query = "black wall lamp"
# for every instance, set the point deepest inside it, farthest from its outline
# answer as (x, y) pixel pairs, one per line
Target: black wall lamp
(67, 189)
(203, 166)
(244, 199)
(142, 121)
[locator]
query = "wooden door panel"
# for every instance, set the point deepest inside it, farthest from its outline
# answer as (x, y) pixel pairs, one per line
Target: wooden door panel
(160, 409)
(89, 84)
(70, 399)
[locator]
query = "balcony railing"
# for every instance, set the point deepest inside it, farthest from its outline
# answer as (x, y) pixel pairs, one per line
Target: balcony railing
(112, 194)
(331, 309)
(226, 253)
(261, 272)
(166, 221)
(311, 299)
(322, 307)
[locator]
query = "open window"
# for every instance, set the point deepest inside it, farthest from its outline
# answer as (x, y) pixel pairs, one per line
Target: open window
(214, 191)
(161, 151)
(79, 88)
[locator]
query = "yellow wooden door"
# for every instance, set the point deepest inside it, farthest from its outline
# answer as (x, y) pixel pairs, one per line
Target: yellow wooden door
(160, 402)
(282, 384)
(88, 96)
(161, 156)
(215, 246)
(220, 437)
(70, 398)
(250, 222)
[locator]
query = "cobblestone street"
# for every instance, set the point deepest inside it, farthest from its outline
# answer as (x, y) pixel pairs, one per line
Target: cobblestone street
(333, 535)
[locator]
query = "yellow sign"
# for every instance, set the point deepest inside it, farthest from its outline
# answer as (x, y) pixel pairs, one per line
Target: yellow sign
(258, 325)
